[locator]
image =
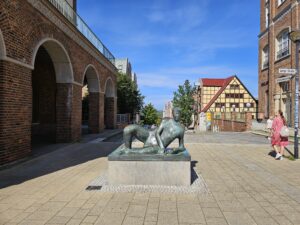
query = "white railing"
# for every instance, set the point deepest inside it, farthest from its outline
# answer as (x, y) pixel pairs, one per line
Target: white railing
(122, 118)
(64, 7)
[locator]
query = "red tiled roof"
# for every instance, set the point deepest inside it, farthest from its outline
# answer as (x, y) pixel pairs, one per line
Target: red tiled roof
(225, 83)
(208, 82)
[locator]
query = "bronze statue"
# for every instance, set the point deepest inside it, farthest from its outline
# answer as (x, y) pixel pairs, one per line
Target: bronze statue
(156, 141)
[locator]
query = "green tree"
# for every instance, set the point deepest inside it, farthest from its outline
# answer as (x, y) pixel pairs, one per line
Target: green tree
(150, 114)
(183, 99)
(130, 99)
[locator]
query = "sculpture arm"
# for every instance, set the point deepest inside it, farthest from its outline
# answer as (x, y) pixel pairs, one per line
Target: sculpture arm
(158, 138)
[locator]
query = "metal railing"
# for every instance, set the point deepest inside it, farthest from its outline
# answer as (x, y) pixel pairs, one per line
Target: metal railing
(122, 118)
(82, 27)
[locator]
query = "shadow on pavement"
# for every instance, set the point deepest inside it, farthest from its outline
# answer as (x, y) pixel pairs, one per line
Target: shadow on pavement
(63, 158)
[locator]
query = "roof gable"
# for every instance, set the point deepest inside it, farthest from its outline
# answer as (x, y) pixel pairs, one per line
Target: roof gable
(227, 82)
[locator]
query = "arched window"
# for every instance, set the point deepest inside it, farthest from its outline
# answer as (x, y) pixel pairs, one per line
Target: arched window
(282, 44)
(265, 57)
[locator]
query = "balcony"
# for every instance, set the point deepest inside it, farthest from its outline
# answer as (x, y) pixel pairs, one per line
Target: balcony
(63, 7)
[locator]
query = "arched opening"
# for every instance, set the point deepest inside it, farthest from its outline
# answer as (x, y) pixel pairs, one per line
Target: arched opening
(52, 79)
(2, 47)
(90, 101)
(109, 105)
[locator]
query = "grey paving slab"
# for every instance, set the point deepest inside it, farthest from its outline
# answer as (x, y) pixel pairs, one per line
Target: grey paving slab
(246, 186)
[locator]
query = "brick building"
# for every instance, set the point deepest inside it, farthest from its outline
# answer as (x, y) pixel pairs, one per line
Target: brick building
(277, 19)
(47, 54)
(224, 96)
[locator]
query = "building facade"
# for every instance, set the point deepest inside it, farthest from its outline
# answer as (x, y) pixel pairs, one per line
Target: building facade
(277, 19)
(224, 96)
(124, 66)
(167, 112)
(47, 53)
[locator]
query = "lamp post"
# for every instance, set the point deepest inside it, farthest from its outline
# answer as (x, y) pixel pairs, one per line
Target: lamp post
(295, 37)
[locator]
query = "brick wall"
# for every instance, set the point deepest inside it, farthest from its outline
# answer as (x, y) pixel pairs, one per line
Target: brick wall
(94, 113)
(110, 112)
(233, 125)
(15, 112)
(24, 28)
(44, 97)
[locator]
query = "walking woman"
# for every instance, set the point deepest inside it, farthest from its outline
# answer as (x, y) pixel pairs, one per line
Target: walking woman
(278, 140)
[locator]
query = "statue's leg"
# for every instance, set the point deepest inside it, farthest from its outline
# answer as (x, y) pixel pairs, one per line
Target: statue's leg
(128, 134)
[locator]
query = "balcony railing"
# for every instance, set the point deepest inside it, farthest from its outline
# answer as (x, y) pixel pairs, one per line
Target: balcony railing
(82, 27)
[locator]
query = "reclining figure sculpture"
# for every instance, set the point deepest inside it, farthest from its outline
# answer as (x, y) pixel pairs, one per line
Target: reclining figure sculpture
(156, 141)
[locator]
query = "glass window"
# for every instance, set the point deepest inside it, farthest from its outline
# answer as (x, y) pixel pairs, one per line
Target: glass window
(282, 44)
(265, 57)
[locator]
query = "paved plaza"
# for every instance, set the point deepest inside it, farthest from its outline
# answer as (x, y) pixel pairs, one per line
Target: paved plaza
(246, 187)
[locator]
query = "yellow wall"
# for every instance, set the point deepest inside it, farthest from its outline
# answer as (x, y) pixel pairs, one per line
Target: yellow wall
(234, 94)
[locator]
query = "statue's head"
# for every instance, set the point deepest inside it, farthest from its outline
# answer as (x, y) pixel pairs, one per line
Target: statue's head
(176, 114)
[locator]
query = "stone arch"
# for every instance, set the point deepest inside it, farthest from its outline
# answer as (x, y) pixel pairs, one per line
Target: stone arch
(60, 57)
(110, 104)
(2, 47)
(91, 121)
(92, 77)
(52, 88)
(109, 88)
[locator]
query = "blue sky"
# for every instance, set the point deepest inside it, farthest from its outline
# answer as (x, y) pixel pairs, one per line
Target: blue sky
(169, 41)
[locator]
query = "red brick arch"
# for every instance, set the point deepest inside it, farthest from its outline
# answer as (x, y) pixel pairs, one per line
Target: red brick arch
(61, 60)
(92, 77)
(109, 88)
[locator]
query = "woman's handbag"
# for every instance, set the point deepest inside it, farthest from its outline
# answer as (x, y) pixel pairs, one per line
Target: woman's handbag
(284, 132)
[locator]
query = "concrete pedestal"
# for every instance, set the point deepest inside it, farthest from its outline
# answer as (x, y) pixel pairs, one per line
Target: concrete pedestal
(149, 169)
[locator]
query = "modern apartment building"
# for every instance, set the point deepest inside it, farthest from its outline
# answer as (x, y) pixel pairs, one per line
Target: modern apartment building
(276, 91)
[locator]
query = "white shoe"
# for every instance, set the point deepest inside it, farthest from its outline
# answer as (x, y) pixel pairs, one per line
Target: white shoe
(280, 158)
(277, 156)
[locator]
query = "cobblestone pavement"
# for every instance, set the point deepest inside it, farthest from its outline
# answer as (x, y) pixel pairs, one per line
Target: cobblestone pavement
(247, 187)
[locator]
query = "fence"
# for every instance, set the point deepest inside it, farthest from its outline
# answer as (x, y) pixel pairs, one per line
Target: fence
(236, 122)
(65, 9)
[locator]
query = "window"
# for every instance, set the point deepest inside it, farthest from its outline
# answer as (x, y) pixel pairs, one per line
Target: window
(267, 15)
(234, 95)
(282, 44)
(265, 57)
(220, 105)
(280, 2)
(234, 86)
(247, 104)
(285, 86)
(234, 105)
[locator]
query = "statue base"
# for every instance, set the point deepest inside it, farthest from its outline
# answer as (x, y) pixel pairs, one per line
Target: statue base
(149, 167)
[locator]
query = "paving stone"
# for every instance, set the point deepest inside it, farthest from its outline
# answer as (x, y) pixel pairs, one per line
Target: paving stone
(151, 217)
(167, 218)
(74, 222)
(110, 218)
(90, 219)
(136, 211)
(239, 218)
(133, 221)
(188, 213)
(216, 221)
(59, 220)
(212, 212)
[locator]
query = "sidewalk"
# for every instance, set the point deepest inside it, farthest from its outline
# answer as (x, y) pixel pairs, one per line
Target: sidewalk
(246, 187)
(43, 148)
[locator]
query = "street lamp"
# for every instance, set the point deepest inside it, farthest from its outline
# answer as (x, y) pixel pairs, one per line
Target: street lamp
(295, 37)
